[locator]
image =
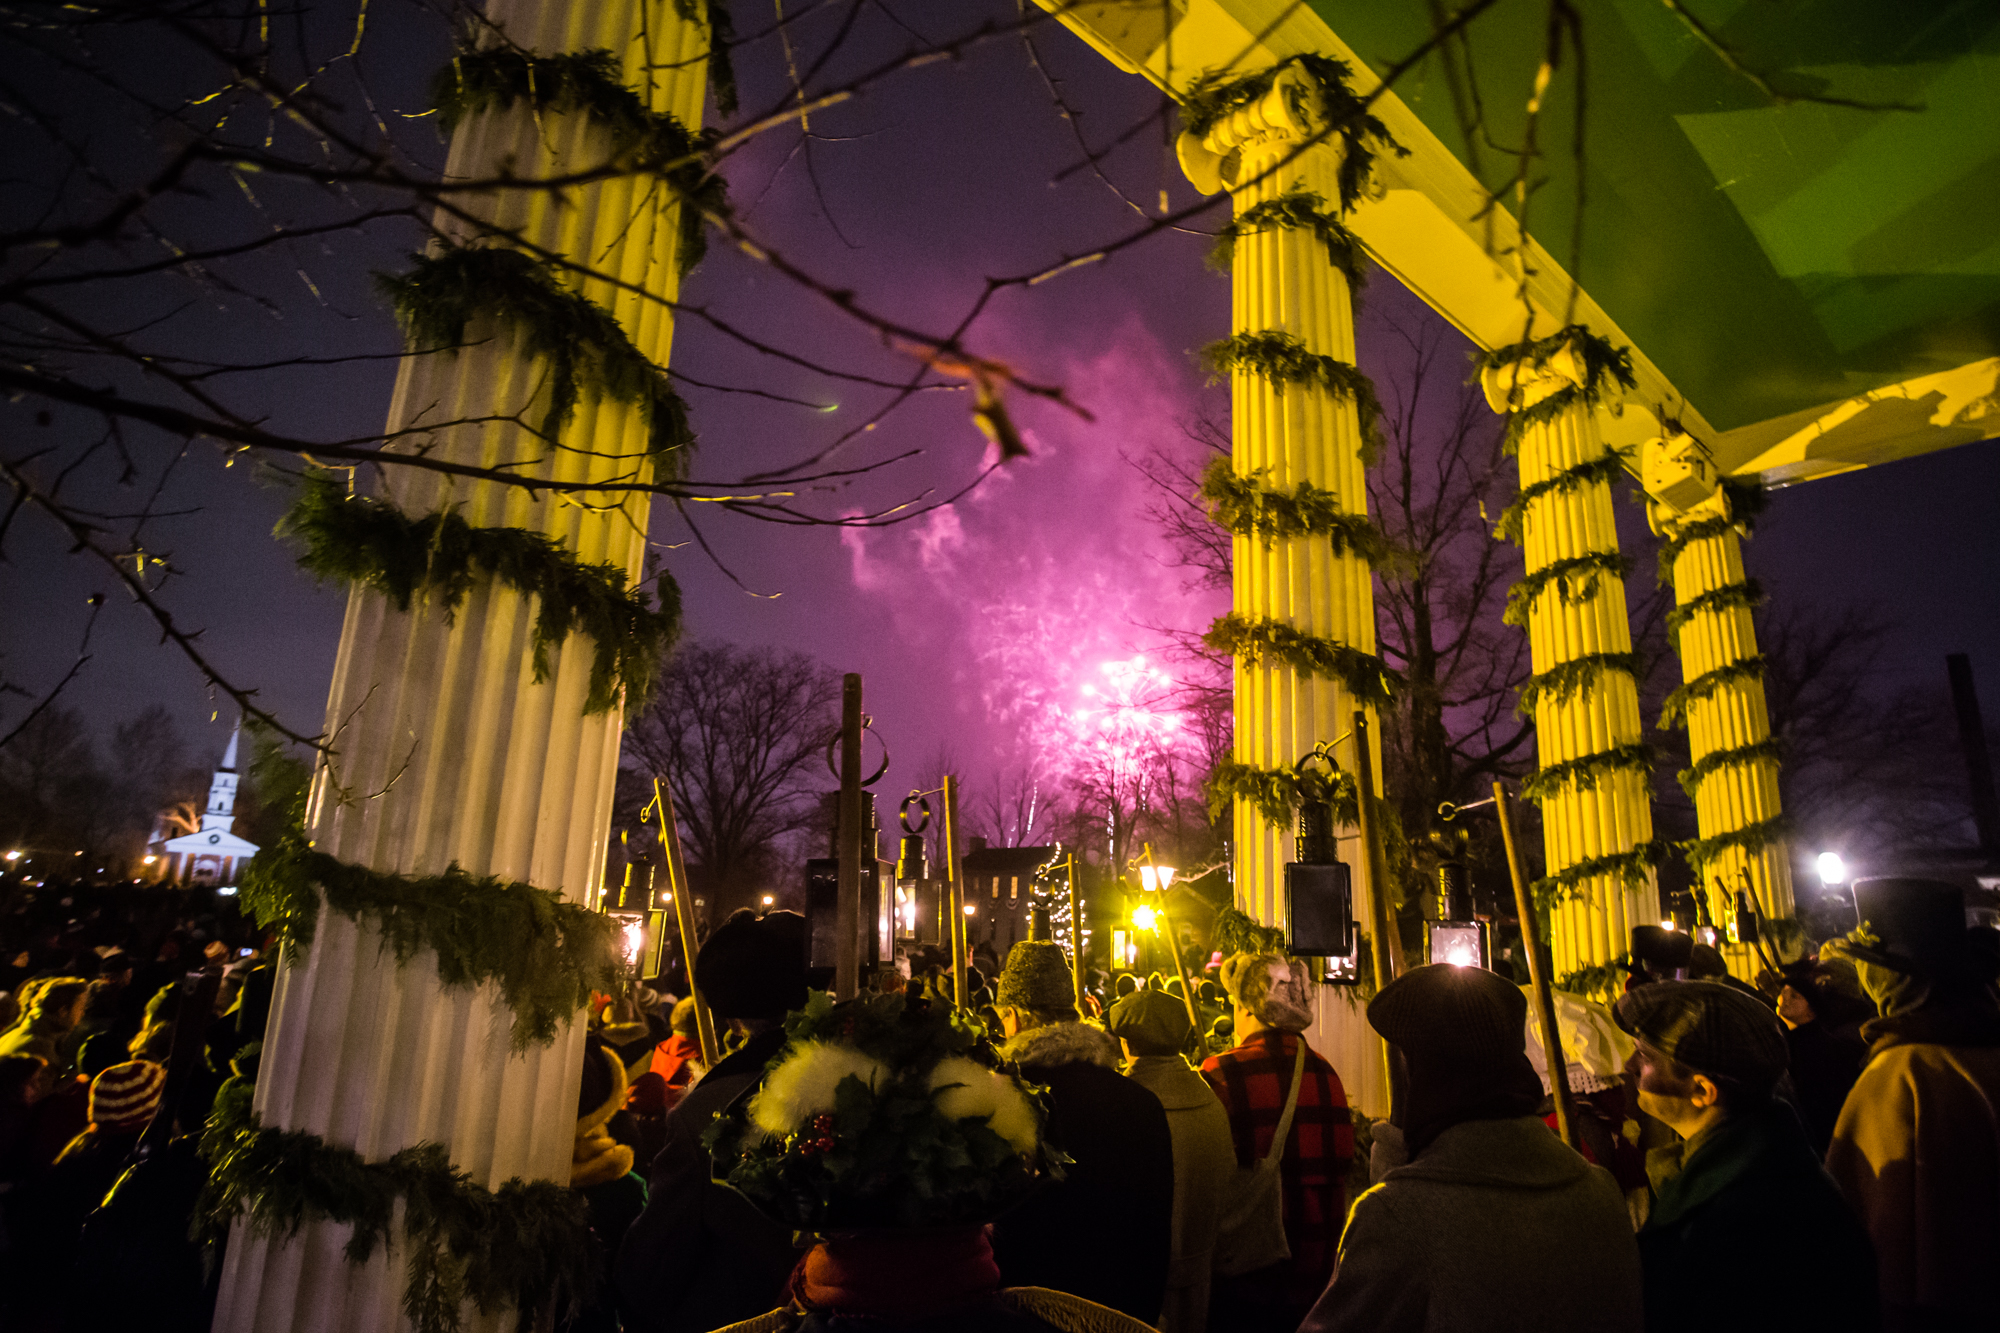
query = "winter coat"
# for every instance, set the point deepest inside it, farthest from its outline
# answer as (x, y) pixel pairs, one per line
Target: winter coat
(1105, 1231)
(1917, 1153)
(699, 1256)
(1251, 1081)
(1824, 1064)
(1496, 1226)
(1749, 1201)
(1204, 1158)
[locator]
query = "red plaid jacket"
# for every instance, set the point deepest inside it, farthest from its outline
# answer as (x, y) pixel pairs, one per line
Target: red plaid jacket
(1252, 1081)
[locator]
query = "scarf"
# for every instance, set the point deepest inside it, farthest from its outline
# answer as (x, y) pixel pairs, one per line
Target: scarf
(896, 1274)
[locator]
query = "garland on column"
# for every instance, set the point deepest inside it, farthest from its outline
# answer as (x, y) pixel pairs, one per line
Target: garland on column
(1297, 209)
(1673, 713)
(1607, 467)
(526, 1244)
(586, 349)
(1282, 359)
(1747, 594)
(714, 15)
(1566, 680)
(1585, 770)
(1213, 96)
(544, 954)
(586, 83)
(1247, 509)
(1598, 359)
(1632, 868)
(1575, 578)
(1743, 501)
(1691, 778)
(1751, 839)
(370, 541)
(1366, 677)
(1277, 793)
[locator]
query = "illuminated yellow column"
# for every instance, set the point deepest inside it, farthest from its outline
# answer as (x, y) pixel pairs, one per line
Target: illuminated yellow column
(448, 750)
(1733, 779)
(1594, 784)
(1296, 435)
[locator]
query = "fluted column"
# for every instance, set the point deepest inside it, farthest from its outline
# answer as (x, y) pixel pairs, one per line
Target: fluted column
(1592, 708)
(447, 749)
(1284, 434)
(1734, 778)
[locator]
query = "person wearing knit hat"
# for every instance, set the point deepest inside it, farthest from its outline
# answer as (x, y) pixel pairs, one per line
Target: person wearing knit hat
(1742, 1195)
(1156, 1031)
(699, 1256)
(1271, 1000)
(1916, 1150)
(1114, 1130)
(1494, 1223)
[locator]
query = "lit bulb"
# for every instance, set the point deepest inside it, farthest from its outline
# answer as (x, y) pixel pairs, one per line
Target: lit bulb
(1143, 918)
(1460, 956)
(1832, 870)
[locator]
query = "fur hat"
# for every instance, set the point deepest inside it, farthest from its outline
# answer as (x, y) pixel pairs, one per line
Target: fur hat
(1275, 988)
(124, 1097)
(684, 1020)
(1151, 1023)
(754, 966)
(1037, 977)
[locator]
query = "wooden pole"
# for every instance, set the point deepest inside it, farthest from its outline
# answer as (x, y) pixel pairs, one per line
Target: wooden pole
(847, 914)
(1076, 938)
(1180, 964)
(677, 890)
(954, 884)
(1387, 941)
(1553, 1053)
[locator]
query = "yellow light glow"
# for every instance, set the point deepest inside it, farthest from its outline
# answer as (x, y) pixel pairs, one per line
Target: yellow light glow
(1144, 918)
(635, 941)
(1459, 955)
(150, 859)
(971, 909)
(768, 900)
(1666, 925)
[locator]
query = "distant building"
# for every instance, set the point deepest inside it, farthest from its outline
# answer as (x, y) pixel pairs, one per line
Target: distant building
(999, 887)
(212, 854)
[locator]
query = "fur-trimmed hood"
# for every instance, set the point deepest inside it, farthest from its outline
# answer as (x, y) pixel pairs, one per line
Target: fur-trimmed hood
(1071, 1043)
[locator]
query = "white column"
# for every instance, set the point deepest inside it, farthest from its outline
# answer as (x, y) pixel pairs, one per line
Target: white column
(447, 749)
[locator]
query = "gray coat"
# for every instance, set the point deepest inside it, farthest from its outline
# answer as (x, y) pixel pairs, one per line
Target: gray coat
(1204, 1159)
(1496, 1226)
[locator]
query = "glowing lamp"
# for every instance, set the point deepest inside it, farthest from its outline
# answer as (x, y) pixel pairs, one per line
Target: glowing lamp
(768, 900)
(972, 909)
(1832, 870)
(149, 860)
(13, 856)
(1668, 924)
(1460, 943)
(1144, 918)
(632, 941)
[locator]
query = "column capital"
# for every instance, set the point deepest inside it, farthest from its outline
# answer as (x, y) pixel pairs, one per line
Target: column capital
(1523, 383)
(1289, 113)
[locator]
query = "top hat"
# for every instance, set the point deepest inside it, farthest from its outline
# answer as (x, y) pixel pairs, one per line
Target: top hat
(1661, 950)
(1920, 924)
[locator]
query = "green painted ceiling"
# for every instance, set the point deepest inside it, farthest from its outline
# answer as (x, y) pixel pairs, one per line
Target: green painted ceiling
(1767, 258)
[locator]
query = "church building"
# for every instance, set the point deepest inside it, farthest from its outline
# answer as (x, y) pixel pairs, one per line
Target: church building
(213, 854)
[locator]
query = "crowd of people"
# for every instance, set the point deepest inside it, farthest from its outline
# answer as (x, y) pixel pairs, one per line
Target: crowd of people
(1820, 1150)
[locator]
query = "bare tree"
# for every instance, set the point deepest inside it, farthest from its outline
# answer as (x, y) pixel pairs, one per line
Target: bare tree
(737, 733)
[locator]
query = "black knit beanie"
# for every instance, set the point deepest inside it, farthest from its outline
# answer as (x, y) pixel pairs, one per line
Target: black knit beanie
(1463, 1035)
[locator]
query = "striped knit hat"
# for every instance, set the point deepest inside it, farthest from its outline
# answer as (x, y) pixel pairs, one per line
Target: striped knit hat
(125, 1096)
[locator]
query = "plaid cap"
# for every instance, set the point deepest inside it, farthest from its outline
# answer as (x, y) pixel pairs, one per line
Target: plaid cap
(1711, 1028)
(125, 1096)
(1153, 1022)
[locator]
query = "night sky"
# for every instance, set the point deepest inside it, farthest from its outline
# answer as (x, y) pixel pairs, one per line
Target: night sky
(968, 622)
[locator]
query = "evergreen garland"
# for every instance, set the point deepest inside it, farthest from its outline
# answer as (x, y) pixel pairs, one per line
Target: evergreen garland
(1744, 499)
(714, 15)
(1601, 362)
(1673, 712)
(1575, 578)
(1630, 867)
(1295, 209)
(1247, 509)
(1277, 793)
(1365, 676)
(1596, 980)
(1749, 593)
(1282, 359)
(527, 1244)
(585, 347)
(1238, 932)
(1606, 467)
(1751, 838)
(1770, 748)
(1214, 96)
(1584, 771)
(544, 954)
(1567, 679)
(495, 78)
(370, 541)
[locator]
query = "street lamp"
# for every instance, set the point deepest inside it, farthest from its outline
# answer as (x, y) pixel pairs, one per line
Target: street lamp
(768, 900)
(1156, 879)
(1145, 918)
(1832, 870)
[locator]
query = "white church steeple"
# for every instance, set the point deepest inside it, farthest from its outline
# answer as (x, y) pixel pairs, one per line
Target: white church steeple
(221, 812)
(213, 854)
